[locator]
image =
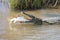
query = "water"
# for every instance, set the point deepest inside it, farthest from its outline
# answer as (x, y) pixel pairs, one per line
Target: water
(36, 32)
(28, 31)
(3, 19)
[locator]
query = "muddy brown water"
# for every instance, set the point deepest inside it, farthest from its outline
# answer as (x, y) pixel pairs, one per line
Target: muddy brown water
(28, 31)
(31, 31)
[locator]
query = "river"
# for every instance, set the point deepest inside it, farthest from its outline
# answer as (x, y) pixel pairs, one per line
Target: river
(36, 32)
(28, 31)
(3, 18)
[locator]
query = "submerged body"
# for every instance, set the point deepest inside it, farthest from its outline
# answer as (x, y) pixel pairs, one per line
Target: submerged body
(22, 19)
(35, 20)
(52, 20)
(18, 19)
